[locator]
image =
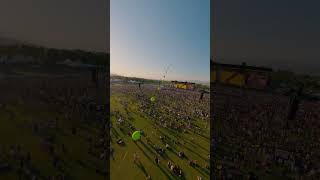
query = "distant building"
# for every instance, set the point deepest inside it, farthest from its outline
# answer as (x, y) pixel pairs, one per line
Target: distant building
(243, 76)
(134, 82)
(183, 85)
(114, 79)
(16, 59)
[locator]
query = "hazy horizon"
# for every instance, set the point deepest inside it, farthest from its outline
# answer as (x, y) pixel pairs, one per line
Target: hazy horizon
(9, 42)
(275, 64)
(72, 24)
(190, 80)
(150, 37)
(277, 34)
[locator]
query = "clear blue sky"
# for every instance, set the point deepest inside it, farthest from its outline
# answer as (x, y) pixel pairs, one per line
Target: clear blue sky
(147, 36)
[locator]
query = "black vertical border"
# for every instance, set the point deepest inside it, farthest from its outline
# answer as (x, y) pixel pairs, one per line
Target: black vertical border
(212, 58)
(107, 85)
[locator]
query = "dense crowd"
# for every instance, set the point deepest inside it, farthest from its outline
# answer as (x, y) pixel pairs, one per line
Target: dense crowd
(179, 111)
(70, 102)
(253, 137)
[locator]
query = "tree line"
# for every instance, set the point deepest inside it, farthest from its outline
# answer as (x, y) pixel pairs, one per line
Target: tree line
(53, 55)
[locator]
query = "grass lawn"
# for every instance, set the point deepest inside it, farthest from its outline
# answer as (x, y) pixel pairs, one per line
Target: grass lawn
(123, 166)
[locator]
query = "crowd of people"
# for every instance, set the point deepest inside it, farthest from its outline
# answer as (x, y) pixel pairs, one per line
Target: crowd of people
(49, 111)
(253, 136)
(174, 111)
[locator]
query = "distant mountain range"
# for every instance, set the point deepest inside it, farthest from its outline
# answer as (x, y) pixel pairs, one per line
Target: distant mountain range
(5, 41)
(13, 49)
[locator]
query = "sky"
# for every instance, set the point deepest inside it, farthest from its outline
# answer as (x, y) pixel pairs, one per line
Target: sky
(70, 24)
(150, 36)
(279, 34)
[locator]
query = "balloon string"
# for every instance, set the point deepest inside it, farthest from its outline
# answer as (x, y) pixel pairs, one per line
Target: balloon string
(154, 95)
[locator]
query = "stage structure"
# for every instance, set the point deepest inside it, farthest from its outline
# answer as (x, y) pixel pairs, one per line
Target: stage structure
(242, 76)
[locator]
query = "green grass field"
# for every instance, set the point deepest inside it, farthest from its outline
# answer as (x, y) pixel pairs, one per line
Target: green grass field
(13, 118)
(29, 101)
(126, 104)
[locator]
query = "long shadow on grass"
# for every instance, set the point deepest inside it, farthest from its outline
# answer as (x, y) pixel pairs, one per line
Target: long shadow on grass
(161, 169)
(183, 146)
(141, 167)
(194, 152)
(175, 134)
(203, 136)
(201, 171)
(147, 147)
(197, 145)
(115, 132)
(205, 170)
